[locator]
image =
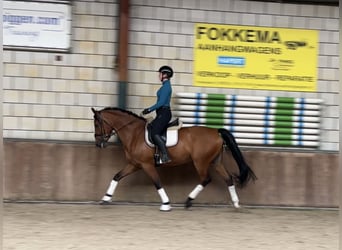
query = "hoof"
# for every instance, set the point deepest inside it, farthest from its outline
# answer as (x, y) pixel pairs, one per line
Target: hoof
(188, 203)
(106, 198)
(241, 209)
(104, 202)
(165, 208)
(236, 205)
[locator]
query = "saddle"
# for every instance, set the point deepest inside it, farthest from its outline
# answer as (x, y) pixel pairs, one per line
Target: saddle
(170, 135)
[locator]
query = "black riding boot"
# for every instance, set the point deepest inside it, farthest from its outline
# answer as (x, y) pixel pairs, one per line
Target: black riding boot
(164, 157)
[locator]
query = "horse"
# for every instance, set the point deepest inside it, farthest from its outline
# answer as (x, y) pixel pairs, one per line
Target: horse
(203, 146)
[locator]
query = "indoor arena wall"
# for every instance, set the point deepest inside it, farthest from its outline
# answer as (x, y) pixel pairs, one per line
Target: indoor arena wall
(48, 125)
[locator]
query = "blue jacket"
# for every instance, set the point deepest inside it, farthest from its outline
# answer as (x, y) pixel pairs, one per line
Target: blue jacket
(163, 96)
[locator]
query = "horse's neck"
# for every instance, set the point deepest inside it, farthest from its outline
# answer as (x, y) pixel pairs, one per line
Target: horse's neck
(128, 128)
(131, 133)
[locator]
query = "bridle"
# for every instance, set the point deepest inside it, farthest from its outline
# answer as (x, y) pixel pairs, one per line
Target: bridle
(104, 136)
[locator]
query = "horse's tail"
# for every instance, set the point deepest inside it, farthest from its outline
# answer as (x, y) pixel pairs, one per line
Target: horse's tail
(246, 173)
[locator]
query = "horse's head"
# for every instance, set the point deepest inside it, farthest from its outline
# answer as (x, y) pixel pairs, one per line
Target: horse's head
(103, 130)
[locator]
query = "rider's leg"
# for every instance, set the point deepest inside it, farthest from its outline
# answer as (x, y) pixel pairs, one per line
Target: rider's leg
(158, 126)
(164, 157)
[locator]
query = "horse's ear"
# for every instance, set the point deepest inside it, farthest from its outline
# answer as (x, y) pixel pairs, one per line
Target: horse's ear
(94, 111)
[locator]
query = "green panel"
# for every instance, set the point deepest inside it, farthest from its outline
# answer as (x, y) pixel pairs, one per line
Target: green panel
(212, 102)
(283, 118)
(217, 96)
(283, 143)
(285, 99)
(214, 126)
(213, 115)
(281, 105)
(212, 121)
(281, 124)
(285, 137)
(281, 112)
(215, 109)
(284, 107)
(215, 105)
(283, 131)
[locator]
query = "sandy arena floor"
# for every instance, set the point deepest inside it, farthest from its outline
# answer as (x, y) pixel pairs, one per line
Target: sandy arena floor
(140, 227)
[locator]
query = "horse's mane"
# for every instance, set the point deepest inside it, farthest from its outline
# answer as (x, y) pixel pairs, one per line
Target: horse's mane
(125, 111)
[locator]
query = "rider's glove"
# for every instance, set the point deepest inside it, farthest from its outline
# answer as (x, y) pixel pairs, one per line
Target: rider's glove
(146, 111)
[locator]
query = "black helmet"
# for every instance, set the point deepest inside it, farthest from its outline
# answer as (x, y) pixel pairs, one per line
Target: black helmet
(166, 70)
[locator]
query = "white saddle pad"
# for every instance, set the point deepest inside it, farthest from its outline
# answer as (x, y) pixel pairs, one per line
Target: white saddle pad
(171, 137)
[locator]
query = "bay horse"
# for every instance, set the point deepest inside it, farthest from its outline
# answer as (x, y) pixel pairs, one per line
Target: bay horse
(203, 146)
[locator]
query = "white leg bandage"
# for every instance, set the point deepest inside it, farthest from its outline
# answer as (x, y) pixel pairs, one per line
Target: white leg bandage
(163, 196)
(110, 191)
(196, 191)
(165, 206)
(234, 196)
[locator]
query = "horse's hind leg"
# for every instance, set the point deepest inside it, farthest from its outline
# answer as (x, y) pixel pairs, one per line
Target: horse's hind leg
(230, 183)
(205, 179)
(127, 170)
(195, 192)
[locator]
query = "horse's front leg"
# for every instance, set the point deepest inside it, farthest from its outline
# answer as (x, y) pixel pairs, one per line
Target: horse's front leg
(151, 171)
(127, 170)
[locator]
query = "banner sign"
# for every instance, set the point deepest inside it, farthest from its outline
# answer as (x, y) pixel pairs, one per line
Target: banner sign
(250, 57)
(36, 25)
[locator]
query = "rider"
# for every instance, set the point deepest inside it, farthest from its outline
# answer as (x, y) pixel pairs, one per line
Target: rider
(163, 112)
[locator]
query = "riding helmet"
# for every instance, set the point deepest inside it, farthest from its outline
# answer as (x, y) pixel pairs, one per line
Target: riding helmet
(166, 70)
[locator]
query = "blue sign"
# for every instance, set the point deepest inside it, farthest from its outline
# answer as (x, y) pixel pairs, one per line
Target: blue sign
(231, 61)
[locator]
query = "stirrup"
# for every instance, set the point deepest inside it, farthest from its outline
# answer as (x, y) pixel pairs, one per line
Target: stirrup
(159, 161)
(160, 157)
(165, 160)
